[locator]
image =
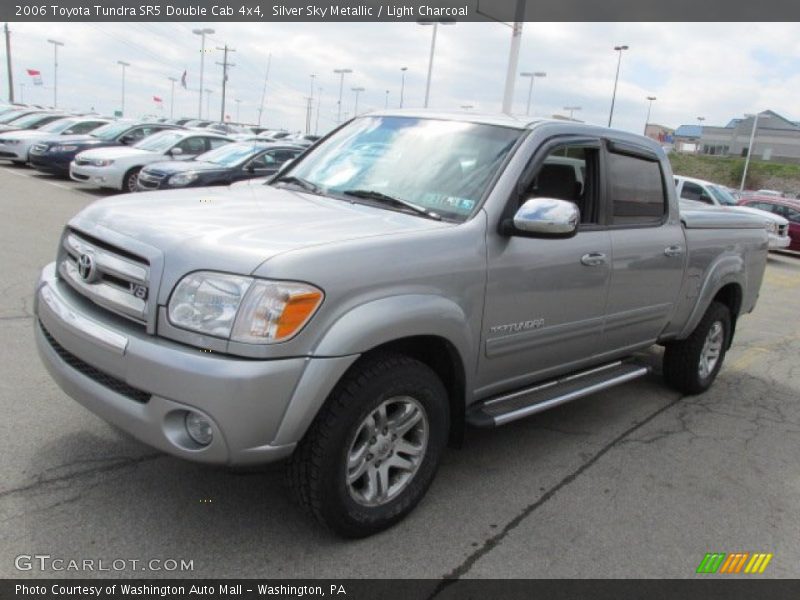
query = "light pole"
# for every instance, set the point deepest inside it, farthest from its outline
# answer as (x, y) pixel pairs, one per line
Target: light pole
(572, 110)
(386, 104)
(357, 90)
(208, 103)
(319, 105)
(202, 33)
(649, 108)
(56, 44)
(402, 84)
(620, 50)
(124, 65)
(172, 95)
(533, 75)
(238, 104)
(341, 73)
(750, 148)
(433, 50)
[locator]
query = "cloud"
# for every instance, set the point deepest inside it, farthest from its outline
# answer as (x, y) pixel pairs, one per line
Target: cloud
(714, 70)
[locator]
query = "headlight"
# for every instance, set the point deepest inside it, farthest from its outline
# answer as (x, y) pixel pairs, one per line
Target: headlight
(63, 148)
(242, 309)
(772, 227)
(101, 162)
(182, 178)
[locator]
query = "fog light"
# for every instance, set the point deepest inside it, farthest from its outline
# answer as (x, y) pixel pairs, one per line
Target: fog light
(199, 429)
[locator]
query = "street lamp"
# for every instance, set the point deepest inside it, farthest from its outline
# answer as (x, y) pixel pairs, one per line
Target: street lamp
(433, 49)
(572, 110)
(402, 84)
(533, 75)
(124, 65)
(172, 95)
(56, 44)
(238, 104)
(620, 50)
(202, 33)
(341, 73)
(649, 108)
(750, 147)
(357, 90)
(386, 104)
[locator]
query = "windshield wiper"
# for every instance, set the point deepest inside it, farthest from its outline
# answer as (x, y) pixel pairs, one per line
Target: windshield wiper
(300, 182)
(386, 199)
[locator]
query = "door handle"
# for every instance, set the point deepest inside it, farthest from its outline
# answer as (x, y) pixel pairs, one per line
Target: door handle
(594, 259)
(673, 250)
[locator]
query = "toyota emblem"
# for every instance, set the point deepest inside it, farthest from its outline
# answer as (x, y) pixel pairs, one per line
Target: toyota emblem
(86, 267)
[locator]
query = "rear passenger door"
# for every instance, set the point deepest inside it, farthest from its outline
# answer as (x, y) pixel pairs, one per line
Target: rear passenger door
(648, 249)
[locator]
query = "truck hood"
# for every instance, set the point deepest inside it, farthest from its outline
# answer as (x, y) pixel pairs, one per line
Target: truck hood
(765, 214)
(235, 229)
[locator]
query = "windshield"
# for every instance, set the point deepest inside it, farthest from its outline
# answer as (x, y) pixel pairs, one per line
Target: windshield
(29, 120)
(442, 166)
(111, 131)
(722, 195)
(159, 142)
(230, 154)
(58, 126)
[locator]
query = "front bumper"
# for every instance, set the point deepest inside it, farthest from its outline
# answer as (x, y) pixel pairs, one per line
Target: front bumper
(49, 163)
(14, 152)
(259, 409)
(777, 242)
(98, 176)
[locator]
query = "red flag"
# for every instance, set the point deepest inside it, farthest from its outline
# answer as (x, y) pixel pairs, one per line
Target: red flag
(35, 75)
(157, 99)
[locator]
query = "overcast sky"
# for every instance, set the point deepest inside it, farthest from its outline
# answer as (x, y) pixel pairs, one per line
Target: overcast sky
(717, 71)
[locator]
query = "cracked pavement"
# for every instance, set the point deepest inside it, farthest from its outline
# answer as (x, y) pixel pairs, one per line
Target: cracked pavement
(636, 481)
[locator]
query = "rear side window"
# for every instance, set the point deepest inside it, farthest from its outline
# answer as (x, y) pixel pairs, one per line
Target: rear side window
(636, 190)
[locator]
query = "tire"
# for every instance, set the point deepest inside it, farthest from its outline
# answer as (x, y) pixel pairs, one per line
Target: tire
(129, 181)
(317, 472)
(683, 368)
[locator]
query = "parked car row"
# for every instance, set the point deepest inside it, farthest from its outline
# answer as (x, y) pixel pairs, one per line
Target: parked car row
(113, 154)
(693, 191)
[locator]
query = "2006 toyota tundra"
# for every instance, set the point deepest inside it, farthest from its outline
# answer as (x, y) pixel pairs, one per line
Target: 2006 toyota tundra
(410, 274)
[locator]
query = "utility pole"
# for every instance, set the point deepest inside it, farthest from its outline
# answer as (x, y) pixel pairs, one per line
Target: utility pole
(309, 112)
(513, 57)
(8, 65)
(124, 65)
(402, 84)
(341, 73)
(224, 64)
(238, 104)
(172, 95)
(264, 90)
(319, 104)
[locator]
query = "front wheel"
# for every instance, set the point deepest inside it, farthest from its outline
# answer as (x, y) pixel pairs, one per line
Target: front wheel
(374, 448)
(130, 179)
(691, 365)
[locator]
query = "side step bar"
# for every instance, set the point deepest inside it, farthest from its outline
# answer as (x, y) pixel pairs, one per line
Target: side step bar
(529, 401)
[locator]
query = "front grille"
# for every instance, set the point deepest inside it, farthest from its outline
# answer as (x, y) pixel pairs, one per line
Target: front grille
(115, 279)
(104, 379)
(39, 149)
(783, 230)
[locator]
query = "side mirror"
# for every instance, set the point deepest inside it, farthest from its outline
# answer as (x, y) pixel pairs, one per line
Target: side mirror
(544, 217)
(176, 152)
(127, 139)
(250, 168)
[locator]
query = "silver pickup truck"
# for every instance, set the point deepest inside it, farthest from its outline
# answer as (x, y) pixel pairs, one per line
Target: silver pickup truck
(411, 274)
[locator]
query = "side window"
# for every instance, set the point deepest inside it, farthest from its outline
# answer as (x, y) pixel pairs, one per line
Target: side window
(636, 190)
(692, 191)
(85, 127)
(281, 156)
(216, 143)
(791, 214)
(568, 173)
(261, 162)
(139, 133)
(192, 145)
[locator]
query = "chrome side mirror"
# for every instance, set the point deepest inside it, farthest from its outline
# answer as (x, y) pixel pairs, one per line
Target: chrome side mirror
(546, 217)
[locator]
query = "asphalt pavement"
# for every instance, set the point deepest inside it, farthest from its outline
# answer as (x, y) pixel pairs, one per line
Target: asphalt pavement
(636, 481)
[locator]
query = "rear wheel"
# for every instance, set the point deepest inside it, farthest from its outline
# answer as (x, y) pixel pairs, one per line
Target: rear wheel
(691, 365)
(374, 448)
(130, 179)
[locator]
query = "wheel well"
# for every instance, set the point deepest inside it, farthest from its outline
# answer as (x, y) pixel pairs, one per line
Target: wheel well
(731, 296)
(443, 358)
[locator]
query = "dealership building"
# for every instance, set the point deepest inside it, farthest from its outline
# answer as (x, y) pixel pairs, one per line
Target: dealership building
(776, 139)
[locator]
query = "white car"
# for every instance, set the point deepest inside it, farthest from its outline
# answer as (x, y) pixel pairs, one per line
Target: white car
(118, 167)
(16, 145)
(706, 192)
